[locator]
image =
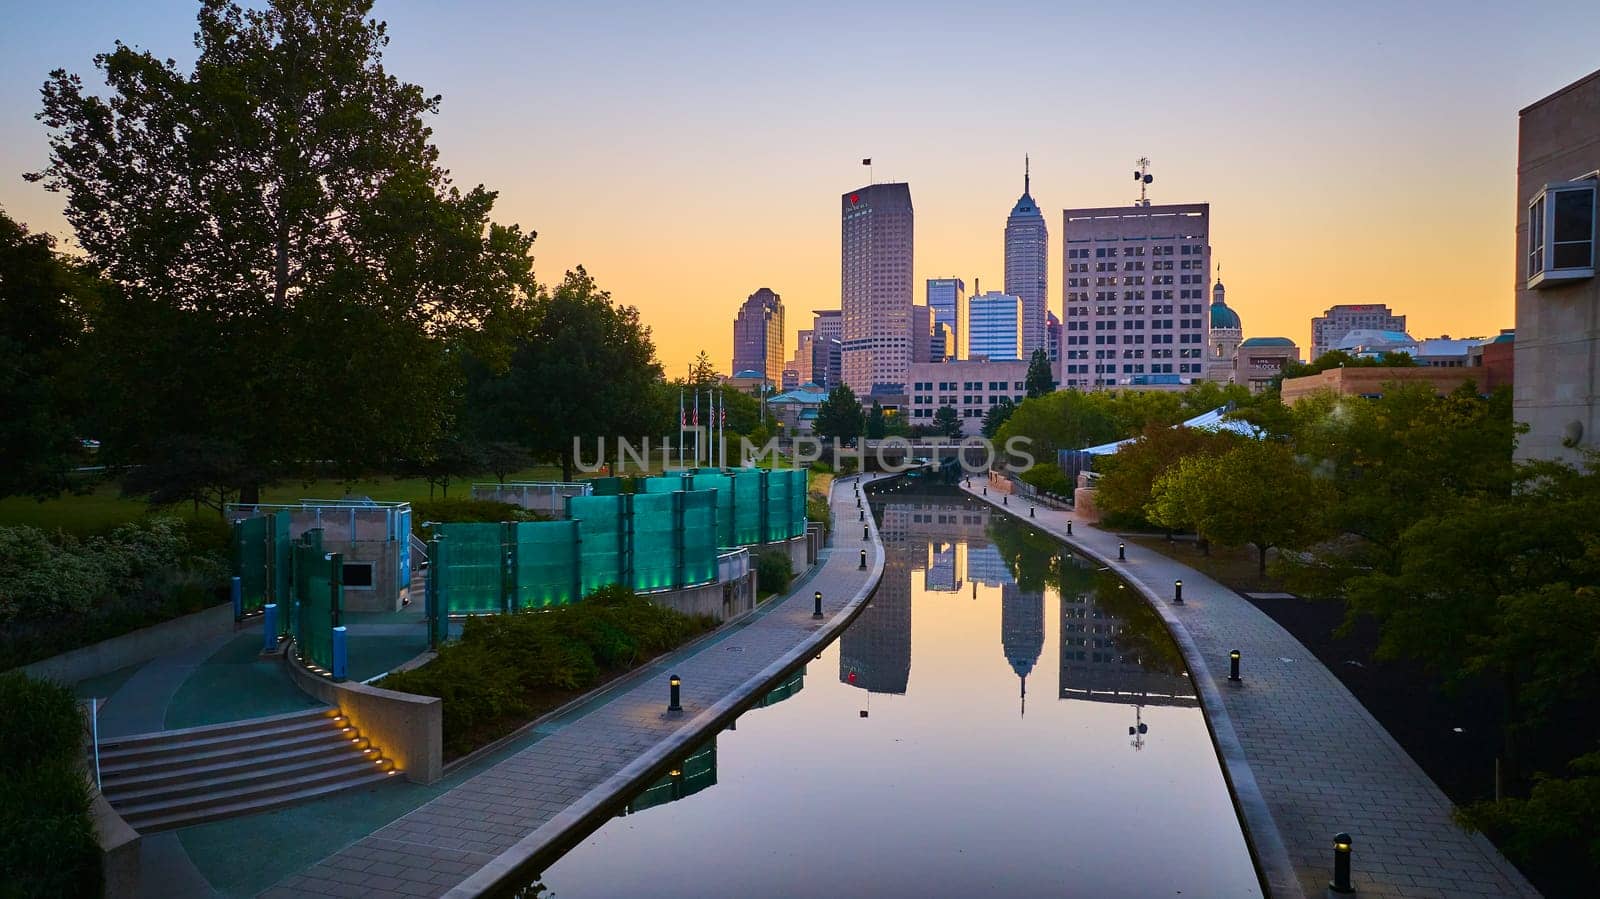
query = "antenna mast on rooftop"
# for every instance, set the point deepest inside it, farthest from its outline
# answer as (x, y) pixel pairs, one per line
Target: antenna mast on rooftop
(1143, 176)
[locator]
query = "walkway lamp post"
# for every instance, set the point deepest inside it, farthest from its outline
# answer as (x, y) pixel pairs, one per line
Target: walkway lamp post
(1177, 591)
(1122, 552)
(816, 611)
(1069, 528)
(1030, 511)
(864, 533)
(1341, 865)
(674, 686)
(1233, 666)
(863, 566)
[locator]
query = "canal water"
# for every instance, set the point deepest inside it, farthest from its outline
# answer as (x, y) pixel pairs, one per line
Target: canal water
(1001, 720)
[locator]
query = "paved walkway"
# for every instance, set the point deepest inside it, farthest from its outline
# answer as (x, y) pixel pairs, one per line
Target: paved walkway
(477, 836)
(1305, 758)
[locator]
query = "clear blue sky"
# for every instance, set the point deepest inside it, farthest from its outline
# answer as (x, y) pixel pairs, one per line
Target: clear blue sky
(1352, 152)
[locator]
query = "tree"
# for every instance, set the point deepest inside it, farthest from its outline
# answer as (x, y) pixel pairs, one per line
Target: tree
(202, 472)
(702, 373)
(1128, 476)
(1040, 381)
(1204, 396)
(947, 422)
(501, 458)
(583, 368)
(292, 264)
(44, 299)
(875, 424)
(839, 417)
(1255, 493)
(447, 459)
(997, 415)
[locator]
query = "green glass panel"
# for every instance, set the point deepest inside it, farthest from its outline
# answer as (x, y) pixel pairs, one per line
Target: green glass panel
(723, 485)
(250, 547)
(747, 490)
(655, 541)
(699, 536)
(602, 536)
(470, 577)
(775, 513)
(663, 484)
(547, 564)
(797, 517)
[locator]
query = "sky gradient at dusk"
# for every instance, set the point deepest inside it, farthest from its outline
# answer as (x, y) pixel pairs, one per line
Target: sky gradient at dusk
(687, 156)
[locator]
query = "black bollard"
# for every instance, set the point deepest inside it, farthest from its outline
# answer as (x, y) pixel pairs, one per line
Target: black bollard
(862, 515)
(1069, 529)
(674, 683)
(864, 533)
(1030, 511)
(986, 491)
(1122, 552)
(863, 560)
(1341, 865)
(1177, 592)
(1005, 500)
(816, 611)
(1233, 666)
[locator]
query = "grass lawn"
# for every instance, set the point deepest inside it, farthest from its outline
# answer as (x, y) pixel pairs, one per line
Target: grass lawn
(1232, 566)
(105, 508)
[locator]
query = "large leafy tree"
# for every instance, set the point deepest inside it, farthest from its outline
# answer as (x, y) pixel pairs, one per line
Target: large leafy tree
(997, 415)
(840, 417)
(875, 423)
(582, 367)
(1256, 493)
(1127, 476)
(947, 423)
(292, 261)
(44, 299)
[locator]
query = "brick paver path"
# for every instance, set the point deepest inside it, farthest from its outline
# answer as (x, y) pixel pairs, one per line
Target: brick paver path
(1321, 763)
(521, 803)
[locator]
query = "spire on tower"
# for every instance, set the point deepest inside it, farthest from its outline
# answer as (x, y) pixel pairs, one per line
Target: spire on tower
(1025, 174)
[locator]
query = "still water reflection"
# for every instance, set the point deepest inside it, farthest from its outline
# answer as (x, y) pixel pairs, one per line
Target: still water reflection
(1005, 720)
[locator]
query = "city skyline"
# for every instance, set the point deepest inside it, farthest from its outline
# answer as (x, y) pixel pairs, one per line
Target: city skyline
(1378, 115)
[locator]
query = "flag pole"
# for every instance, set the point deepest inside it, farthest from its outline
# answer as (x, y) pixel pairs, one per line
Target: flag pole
(680, 427)
(697, 426)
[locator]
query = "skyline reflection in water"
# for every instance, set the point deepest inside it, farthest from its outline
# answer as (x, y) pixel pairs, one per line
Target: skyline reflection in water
(981, 737)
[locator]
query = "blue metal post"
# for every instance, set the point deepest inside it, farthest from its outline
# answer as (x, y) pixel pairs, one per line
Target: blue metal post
(269, 628)
(236, 591)
(340, 653)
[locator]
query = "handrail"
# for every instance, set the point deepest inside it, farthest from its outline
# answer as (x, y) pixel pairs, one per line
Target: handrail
(94, 735)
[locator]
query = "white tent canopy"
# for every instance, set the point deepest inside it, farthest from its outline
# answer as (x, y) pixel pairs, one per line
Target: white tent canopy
(1210, 421)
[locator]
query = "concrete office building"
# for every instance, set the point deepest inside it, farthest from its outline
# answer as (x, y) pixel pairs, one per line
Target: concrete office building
(876, 229)
(801, 362)
(993, 326)
(1028, 265)
(1557, 345)
(1331, 327)
(921, 334)
(968, 386)
(1052, 337)
(758, 336)
(1134, 309)
(946, 296)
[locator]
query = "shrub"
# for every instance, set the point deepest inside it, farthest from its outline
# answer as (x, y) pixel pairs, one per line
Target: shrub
(61, 592)
(47, 840)
(773, 572)
(463, 510)
(508, 667)
(1049, 478)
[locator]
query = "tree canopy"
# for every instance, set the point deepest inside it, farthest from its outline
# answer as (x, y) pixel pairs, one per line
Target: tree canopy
(1040, 380)
(840, 417)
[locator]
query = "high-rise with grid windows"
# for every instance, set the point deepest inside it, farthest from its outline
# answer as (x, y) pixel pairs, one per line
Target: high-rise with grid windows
(875, 291)
(1028, 266)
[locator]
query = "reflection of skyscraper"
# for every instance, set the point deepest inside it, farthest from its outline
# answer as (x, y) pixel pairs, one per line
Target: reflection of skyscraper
(986, 566)
(1097, 664)
(940, 575)
(875, 651)
(1021, 632)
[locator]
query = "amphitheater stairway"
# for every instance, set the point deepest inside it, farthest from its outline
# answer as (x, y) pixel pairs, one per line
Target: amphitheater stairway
(168, 779)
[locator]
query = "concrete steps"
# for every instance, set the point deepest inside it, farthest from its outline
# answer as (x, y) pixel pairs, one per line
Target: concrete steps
(174, 778)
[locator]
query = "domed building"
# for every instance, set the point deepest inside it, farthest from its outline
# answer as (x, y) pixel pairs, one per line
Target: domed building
(1226, 333)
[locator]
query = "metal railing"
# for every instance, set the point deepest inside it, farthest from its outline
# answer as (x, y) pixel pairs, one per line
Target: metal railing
(732, 565)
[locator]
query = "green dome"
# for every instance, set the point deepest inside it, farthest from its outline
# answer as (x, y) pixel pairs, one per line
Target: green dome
(1223, 317)
(1267, 341)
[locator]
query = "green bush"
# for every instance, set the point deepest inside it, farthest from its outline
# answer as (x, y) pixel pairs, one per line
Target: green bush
(773, 572)
(465, 510)
(60, 592)
(47, 840)
(506, 668)
(1050, 479)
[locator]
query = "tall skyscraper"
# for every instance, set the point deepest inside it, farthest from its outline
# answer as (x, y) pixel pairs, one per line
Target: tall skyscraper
(1333, 325)
(827, 349)
(758, 336)
(921, 334)
(994, 326)
(1052, 337)
(802, 361)
(945, 297)
(1137, 278)
(1028, 265)
(876, 226)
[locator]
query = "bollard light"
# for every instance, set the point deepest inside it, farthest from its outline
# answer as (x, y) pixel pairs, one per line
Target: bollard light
(674, 685)
(1030, 511)
(1233, 666)
(1005, 500)
(1069, 529)
(986, 491)
(864, 534)
(816, 611)
(1122, 552)
(863, 560)
(1341, 865)
(862, 515)
(1177, 591)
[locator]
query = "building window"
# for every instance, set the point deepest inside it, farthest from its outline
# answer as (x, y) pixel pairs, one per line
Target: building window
(1561, 233)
